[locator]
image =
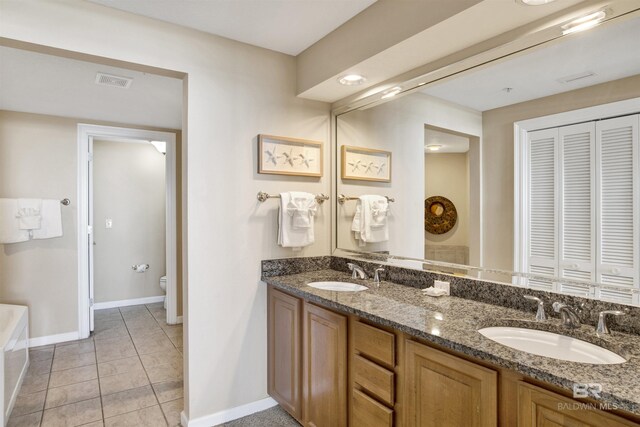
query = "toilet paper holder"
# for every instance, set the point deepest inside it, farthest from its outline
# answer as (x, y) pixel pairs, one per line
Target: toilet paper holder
(140, 268)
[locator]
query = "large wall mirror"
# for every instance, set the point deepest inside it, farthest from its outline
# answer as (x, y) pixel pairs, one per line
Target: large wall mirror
(528, 164)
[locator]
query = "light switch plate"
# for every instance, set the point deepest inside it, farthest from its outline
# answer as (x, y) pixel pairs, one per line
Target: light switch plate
(439, 284)
(108, 223)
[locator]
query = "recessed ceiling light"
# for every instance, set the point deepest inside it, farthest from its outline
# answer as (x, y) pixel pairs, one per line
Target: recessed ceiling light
(351, 80)
(391, 92)
(583, 23)
(534, 2)
(434, 147)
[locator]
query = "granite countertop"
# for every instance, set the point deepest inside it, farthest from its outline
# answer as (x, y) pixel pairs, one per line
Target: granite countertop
(453, 323)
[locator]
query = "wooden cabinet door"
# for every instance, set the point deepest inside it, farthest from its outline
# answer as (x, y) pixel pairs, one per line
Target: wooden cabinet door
(444, 390)
(325, 368)
(542, 408)
(284, 316)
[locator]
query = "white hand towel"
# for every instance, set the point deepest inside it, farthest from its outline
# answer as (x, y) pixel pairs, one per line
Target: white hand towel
(10, 231)
(29, 214)
(288, 235)
(302, 208)
(51, 225)
(373, 219)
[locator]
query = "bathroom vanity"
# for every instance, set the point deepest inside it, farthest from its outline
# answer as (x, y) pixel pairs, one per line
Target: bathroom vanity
(389, 355)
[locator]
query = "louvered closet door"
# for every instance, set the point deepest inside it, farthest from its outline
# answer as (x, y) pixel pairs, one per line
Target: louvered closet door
(542, 210)
(577, 207)
(617, 201)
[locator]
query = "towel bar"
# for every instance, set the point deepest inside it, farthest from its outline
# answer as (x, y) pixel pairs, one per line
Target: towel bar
(342, 198)
(262, 196)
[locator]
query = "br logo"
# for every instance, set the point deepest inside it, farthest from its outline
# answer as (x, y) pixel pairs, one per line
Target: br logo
(581, 390)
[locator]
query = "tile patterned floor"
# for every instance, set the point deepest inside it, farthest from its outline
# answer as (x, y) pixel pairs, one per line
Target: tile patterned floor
(128, 373)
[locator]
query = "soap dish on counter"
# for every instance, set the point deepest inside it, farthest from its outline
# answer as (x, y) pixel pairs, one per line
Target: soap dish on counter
(434, 292)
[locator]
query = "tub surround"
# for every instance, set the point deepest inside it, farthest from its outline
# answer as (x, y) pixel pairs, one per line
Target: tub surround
(452, 322)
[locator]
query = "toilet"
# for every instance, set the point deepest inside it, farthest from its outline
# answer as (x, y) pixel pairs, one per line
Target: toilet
(163, 286)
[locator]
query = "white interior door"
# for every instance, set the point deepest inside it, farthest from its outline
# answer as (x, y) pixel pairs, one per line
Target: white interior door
(543, 201)
(577, 207)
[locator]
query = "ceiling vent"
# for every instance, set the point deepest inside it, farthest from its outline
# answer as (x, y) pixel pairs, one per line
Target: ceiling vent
(115, 81)
(575, 77)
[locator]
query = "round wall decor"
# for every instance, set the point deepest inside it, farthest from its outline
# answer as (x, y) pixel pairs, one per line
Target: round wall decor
(440, 215)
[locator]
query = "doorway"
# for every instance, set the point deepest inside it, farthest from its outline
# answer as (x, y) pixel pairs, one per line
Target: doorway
(88, 136)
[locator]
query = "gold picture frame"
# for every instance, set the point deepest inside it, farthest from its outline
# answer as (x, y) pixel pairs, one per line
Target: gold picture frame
(279, 155)
(365, 164)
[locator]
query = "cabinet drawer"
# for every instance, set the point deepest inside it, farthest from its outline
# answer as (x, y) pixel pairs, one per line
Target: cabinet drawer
(374, 343)
(373, 378)
(367, 412)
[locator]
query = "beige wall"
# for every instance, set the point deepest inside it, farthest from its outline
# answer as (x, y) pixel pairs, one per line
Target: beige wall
(129, 188)
(234, 92)
(38, 160)
(498, 157)
(447, 175)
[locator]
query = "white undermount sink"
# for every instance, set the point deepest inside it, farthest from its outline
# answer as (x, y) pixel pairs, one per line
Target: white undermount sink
(338, 286)
(552, 345)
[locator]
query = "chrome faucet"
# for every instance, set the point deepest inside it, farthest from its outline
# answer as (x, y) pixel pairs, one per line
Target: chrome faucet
(568, 315)
(358, 272)
(602, 327)
(540, 316)
(376, 276)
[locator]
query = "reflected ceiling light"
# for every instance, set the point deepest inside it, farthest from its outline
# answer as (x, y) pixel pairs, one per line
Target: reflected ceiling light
(391, 92)
(434, 147)
(161, 146)
(351, 80)
(534, 2)
(583, 23)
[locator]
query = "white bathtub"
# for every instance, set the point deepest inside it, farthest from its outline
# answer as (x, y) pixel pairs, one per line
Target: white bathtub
(14, 339)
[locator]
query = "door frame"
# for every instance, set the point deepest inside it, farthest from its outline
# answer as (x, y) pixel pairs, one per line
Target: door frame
(86, 134)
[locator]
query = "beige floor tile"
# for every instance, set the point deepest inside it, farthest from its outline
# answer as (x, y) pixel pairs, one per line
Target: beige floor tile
(29, 403)
(73, 361)
(119, 332)
(128, 401)
(75, 348)
(115, 352)
(153, 344)
(36, 354)
(34, 383)
(122, 382)
(105, 325)
(82, 341)
(161, 358)
(155, 305)
(140, 322)
(73, 376)
(39, 368)
(94, 424)
(169, 390)
(73, 393)
(145, 331)
(148, 417)
(29, 420)
(172, 411)
(119, 366)
(112, 342)
(76, 414)
(162, 373)
(107, 314)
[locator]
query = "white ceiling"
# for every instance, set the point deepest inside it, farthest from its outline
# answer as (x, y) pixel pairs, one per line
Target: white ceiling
(44, 84)
(608, 51)
(287, 26)
(449, 142)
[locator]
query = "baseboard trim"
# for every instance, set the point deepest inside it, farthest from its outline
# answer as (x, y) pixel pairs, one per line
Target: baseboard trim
(53, 339)
(127, 302)
(228, 414)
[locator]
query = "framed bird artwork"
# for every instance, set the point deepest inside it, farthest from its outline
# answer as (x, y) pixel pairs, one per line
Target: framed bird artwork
(289, 156)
